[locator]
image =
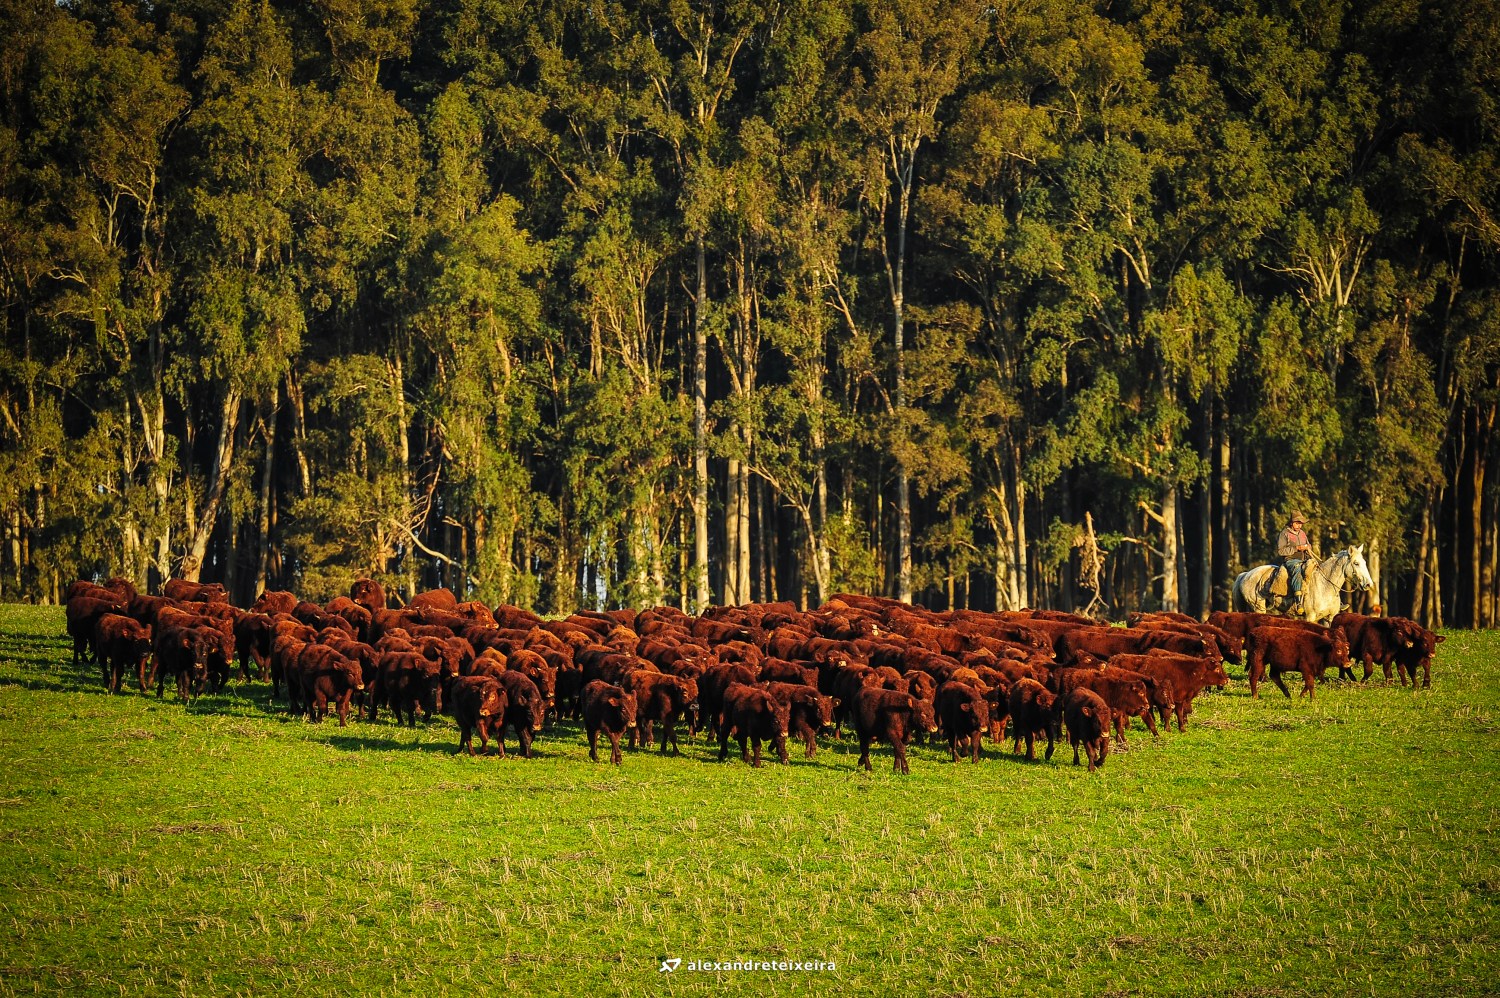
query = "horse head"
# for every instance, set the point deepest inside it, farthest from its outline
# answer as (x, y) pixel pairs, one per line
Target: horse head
(1358, 571)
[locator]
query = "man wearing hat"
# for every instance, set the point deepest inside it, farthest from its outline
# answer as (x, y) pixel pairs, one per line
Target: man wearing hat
(1293, 549)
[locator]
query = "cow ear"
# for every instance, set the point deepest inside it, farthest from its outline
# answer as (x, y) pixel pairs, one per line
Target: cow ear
(836, 701)
(1442, 637)
(967, 708)
(1088, 712)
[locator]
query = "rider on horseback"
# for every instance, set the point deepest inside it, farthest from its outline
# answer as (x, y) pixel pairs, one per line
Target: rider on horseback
(1293, 550)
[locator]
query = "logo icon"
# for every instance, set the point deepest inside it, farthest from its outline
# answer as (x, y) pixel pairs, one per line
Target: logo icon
(668, 966)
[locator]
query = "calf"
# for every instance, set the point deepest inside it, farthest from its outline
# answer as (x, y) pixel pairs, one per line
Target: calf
(1285, 649)
(964, 714)
(753, 715)
(1180, 678)
(1387, 641)
(409, 681)
(122, 643)
(252, 643)
(1123, 691)
(893, 717)
(478, 704)
(711, 687)
(83, 613)
(326, 675)
(610, 709)
(811, 711)
(1031, 713)
(182, 652)
(661, 698)
(1087, 717)
(525, 709)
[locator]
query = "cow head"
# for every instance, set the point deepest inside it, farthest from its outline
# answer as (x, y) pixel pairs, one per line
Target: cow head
(922, 715)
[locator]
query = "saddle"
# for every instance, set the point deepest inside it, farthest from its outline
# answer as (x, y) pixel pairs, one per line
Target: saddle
(1280, 582)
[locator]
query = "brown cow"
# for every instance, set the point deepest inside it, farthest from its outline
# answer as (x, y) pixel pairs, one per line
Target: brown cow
(964, 715)
(811, 712)
(83, 613)
(1285, 649)
(182, 652)
(893, 717)
(1185, 676)
(326, 675)
(753, 715)
(409, 681)
(274, 601)
(1387, 641)
(1087, 717)
(1031, 713)
(609, 709)
(478, 703)
(122, 643)
(660, 698)
(525, 710)
(1125, 693)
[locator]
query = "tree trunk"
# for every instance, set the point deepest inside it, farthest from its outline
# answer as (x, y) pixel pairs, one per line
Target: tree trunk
(263, 536)
(730, 560)
(700, 435)
(1219, 514)
(1022, 584)
(1480, 442)
(1169, 550)
(218, 477)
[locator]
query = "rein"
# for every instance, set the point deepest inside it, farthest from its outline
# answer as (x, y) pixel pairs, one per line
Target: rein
(1346, 586)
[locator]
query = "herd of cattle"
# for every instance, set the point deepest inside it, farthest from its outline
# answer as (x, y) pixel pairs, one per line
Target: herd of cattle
(760, 673)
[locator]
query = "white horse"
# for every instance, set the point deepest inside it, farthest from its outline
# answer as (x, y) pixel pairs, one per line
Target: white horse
(1323, 585)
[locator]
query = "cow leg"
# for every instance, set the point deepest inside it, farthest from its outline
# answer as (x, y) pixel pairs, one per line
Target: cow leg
(594, 744)
(1276, 678)
(496, 727)
(1050, 745)
(1075, 753)
(1031, 746)
(614, 748)
(781, 750)
(343, 708)
(898, 749)
(953, 746)
(745, 749)
(864, 752)
(523, 735)
(1307, 684)
(975, 743)
(465, 740)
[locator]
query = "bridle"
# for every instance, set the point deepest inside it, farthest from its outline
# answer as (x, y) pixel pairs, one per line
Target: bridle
(1316, 568)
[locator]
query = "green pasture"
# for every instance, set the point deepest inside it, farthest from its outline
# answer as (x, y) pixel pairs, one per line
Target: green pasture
(1344, 846)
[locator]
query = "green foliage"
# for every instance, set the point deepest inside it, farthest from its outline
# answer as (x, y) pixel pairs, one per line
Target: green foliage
(442, 257)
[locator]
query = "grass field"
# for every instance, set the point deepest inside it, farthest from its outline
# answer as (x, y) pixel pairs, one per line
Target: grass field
(1347, 846)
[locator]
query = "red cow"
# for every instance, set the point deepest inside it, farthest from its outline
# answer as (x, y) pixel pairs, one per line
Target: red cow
(122, 644)
(525, 710)
(811, 711)
(1285, 649)
(1087, 717)
(892, 717)
(1031, 713)
(963, 714)
(753, 715)
(609, 709)
(478, 703)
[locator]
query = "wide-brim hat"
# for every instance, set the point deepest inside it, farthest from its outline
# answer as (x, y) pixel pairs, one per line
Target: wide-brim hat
(1297, 517)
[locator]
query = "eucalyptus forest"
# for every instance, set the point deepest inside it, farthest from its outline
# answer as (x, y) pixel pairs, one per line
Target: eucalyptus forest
(581, 303)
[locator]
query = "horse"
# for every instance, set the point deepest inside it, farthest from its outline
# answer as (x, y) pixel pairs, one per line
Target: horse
(1323, 585)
